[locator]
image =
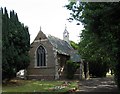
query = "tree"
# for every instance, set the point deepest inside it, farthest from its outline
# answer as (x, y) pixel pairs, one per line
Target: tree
(74, 45)
(100, 38)
(16, 44)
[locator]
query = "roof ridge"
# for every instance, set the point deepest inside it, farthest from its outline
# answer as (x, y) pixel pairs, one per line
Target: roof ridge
(55, 37)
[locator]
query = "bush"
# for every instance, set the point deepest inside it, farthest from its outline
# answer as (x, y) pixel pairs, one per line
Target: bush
(71, 68)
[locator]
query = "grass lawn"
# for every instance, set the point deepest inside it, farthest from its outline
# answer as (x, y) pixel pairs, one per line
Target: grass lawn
(39, 86)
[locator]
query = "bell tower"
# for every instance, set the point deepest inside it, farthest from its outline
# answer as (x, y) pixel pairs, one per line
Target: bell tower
(66, 35)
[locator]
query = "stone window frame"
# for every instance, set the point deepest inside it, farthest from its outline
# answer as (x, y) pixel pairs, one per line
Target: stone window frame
(36, 57)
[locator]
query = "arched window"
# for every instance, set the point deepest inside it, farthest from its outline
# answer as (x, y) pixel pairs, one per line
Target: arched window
(41, 57)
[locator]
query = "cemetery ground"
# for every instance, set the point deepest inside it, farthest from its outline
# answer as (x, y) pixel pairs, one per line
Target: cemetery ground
(39, 86)
(91, 85)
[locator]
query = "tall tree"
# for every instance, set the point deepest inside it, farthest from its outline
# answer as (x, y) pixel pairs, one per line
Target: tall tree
(16, 44)
(100, 38)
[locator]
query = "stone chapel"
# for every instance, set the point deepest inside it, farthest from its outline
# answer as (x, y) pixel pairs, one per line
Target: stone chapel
(48, 55)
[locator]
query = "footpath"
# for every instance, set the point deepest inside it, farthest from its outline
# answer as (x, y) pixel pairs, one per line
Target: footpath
(99, 85)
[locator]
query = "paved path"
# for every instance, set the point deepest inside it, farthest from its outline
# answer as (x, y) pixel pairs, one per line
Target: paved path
(98, 85)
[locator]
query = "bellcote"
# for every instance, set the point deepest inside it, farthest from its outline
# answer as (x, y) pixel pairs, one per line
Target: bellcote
(66, 35)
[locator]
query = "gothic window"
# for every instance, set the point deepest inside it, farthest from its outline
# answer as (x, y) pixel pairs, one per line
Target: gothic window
(41, 57)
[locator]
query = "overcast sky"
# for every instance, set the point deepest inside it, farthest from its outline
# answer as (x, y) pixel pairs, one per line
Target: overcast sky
(49, 14)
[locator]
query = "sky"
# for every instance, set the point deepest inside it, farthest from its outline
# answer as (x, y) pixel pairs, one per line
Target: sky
(50, 15)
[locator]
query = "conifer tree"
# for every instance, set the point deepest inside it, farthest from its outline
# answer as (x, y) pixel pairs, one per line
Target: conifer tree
(16, 44)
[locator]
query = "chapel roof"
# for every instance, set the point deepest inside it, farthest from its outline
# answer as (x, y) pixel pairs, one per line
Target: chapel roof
(62, 47)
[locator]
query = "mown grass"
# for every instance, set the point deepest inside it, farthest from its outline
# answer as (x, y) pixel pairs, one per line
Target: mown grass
(39, 86)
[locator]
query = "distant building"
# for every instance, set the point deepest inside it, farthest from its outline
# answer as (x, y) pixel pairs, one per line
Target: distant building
(48, 56)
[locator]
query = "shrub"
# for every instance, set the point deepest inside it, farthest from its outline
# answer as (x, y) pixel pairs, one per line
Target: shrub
(71, 68)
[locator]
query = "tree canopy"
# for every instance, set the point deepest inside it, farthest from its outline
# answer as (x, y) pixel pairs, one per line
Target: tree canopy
(74, 45)
(100, 38)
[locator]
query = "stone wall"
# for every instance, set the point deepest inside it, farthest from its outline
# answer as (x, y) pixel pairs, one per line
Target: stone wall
(62, 59)
(44, 72)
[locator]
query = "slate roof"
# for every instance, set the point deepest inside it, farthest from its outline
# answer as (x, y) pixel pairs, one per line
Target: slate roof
(62, 47)
(74, 56)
